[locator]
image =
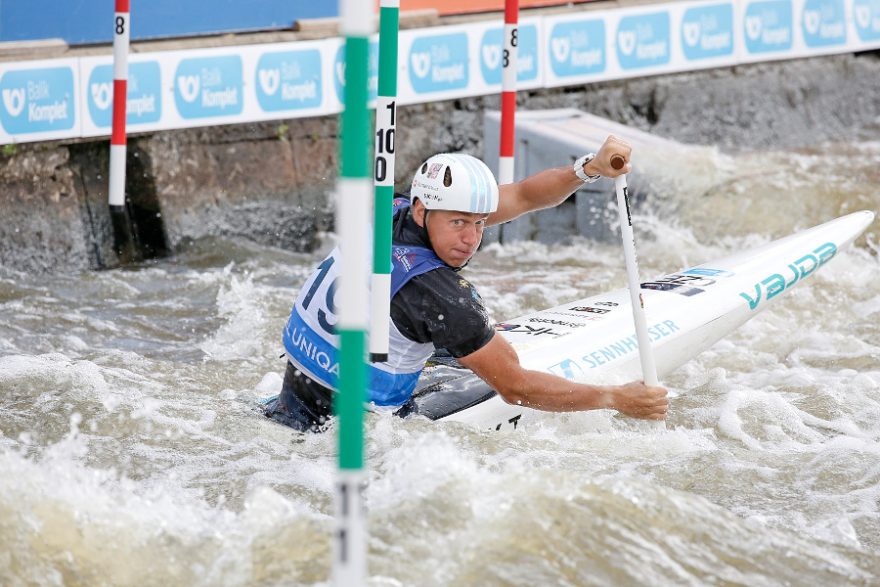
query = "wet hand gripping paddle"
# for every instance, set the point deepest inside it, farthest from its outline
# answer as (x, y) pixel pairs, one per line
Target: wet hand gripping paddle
(646, 353)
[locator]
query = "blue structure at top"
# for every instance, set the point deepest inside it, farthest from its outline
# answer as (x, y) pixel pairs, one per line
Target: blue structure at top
(81, 22)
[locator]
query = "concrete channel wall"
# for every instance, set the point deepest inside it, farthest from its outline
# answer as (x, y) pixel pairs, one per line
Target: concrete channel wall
(271, 182)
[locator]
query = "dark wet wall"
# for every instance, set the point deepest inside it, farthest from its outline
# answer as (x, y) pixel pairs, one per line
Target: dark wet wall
(271, 182)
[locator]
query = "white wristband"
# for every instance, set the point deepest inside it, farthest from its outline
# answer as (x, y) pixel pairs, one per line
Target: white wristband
(579, 168)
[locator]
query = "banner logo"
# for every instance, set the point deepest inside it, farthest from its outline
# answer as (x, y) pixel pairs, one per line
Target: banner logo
(643, 40)
(707, 31)
(13, 101)
(492, 54)
(38, 100)
(812, 18)
(290, 80)
(560, 48)
(372, 72)
(143, 100)
(577, 48)
(188, 86)
(867, 18)
(209, 86)
(690, 32)
(270, 80)
(102, 95)
(439, 63)
(421, 64)
(768, 26)
(824, 23)
(626, 40)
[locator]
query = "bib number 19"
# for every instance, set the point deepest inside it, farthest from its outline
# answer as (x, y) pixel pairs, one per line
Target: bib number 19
(329, 304)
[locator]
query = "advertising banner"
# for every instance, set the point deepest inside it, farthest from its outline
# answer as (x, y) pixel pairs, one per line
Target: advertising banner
(288, 80)
(38, 100)
(47, 100)
(440, 63)
(865, 23)
(335, 71)
(144, 108)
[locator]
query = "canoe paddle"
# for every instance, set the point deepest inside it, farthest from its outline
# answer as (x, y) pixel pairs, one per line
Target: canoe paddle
(646, 353)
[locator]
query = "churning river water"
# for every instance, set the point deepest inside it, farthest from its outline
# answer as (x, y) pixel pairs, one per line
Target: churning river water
(131, 452)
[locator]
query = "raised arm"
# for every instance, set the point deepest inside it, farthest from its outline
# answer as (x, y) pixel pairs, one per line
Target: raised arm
(498, 365)
(551, 187)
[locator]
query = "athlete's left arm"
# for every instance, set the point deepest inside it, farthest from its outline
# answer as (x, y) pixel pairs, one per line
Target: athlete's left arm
(551, 187)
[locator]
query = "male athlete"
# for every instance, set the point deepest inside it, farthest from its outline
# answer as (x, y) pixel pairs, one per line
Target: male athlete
(435, 233)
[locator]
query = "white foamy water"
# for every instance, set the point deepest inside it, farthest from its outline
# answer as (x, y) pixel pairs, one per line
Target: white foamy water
(132, 452)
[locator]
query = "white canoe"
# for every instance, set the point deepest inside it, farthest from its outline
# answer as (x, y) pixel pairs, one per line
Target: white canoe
(593, 339)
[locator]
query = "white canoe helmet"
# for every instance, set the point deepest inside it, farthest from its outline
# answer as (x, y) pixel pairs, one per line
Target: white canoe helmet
(455, 181)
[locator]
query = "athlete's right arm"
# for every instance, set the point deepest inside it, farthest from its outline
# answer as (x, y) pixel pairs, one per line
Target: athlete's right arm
(498, 365)
(551, 187)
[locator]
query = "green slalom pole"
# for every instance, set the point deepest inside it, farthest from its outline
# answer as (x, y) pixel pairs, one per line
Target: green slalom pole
(353, 203)
(383, 178)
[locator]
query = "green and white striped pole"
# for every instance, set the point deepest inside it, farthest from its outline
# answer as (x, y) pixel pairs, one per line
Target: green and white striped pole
(353, 203)
(383, 178)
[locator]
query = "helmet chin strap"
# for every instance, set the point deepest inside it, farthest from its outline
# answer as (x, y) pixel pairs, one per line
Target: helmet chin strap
(424, 228)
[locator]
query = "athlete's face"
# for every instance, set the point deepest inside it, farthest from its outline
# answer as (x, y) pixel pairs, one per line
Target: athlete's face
(455, 236)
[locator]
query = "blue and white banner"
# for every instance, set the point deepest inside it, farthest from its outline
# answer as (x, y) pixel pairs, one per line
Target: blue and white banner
(491, 54)
(768, 29)
(58, 99)
(288, 80)
(436, 64)
(866, 21)
(38, 100)
(144, 108)
(209, 87)
(642, 41)
(576, 50)
(823, 23)
(336, 72)
(707, 32)
(440, 63)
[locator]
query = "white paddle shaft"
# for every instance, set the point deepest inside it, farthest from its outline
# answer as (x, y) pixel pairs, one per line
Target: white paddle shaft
(646, 353)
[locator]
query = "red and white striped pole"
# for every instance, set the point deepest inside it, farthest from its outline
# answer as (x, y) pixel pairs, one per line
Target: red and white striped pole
(508, 91)
(121, 37)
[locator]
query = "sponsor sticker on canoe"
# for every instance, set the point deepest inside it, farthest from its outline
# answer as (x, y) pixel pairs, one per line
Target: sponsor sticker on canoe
(775, 283)
(528, 330)
(573, 368)
(687, 283)
(552, 322)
